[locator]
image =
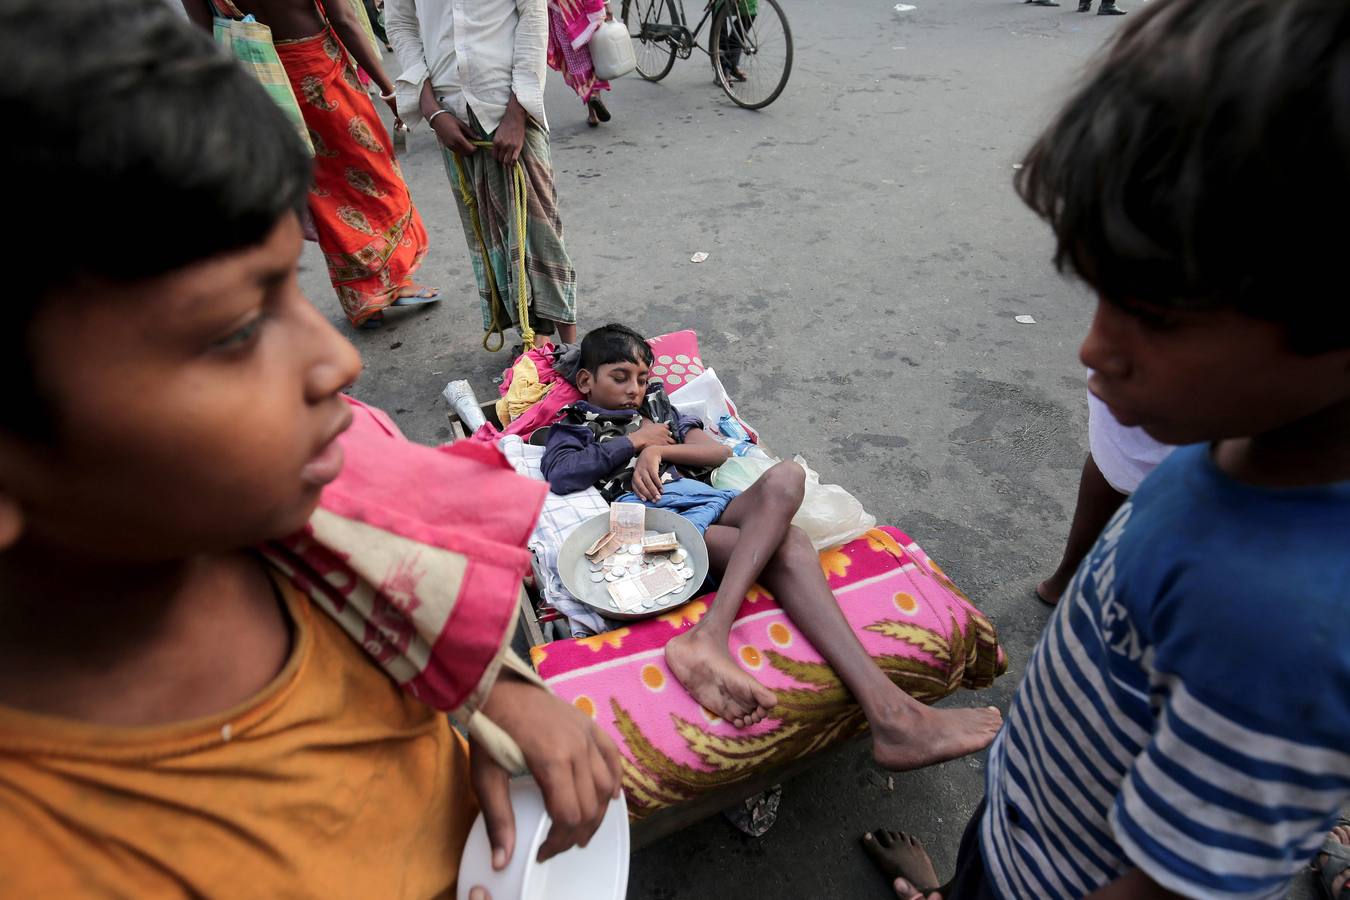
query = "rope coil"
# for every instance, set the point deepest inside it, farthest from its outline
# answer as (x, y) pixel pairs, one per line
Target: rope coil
(519, 209)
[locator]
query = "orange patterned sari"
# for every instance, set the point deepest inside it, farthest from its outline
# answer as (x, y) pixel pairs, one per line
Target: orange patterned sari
(370, 233)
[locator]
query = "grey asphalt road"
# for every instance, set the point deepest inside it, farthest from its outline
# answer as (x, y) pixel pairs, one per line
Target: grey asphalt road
(867, 256)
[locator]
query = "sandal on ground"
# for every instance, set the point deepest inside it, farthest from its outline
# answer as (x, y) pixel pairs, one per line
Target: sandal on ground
(376, 320)
(429, 295)
(597, 106)
(1042, 2)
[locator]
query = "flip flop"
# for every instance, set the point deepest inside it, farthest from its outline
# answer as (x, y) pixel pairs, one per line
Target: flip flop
(430, 295)
(601, 111)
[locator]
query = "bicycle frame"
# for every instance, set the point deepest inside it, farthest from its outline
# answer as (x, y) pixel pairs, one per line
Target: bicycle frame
(685, 41)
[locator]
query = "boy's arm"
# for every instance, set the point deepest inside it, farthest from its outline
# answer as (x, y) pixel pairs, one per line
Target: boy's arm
(574, 460)
(577, 766)
(697, 450)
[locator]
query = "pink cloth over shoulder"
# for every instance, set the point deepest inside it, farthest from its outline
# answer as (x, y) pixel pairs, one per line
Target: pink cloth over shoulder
(419, 553)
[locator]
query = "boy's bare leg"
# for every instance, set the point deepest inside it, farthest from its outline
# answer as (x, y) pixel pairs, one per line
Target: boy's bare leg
(1097, 503)
(740, 546)
(906, 734)
(754, 541)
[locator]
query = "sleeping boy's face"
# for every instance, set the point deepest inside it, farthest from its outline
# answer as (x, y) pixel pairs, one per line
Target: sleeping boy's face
(621, 385)
(194, 412)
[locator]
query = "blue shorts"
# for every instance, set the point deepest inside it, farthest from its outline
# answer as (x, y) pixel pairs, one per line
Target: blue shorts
(700, 503)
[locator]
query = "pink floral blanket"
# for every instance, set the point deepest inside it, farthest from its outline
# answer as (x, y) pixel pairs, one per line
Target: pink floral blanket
(919, 627)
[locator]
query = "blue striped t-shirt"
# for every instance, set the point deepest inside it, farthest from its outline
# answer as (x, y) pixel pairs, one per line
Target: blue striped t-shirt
(1187, 710)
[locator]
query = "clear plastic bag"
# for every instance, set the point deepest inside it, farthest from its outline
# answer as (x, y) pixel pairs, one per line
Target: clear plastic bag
(829, 515)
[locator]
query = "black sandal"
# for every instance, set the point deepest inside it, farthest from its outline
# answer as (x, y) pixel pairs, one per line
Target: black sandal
(597, 106)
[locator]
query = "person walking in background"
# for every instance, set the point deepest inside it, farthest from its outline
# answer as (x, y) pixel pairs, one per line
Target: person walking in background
(571, 23)
(370, 233)
(477, 78)
(1105, 8)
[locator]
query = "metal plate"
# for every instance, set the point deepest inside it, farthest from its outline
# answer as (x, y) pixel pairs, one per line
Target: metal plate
(575, 569)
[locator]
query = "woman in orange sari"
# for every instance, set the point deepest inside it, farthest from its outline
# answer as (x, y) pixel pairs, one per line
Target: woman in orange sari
(370, 233)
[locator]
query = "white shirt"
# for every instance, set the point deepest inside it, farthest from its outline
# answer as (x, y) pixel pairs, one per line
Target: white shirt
(476, 53)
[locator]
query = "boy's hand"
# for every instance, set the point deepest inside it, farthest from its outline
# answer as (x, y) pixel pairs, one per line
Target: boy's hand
(577, 766)
(651, 435)
(647, 474)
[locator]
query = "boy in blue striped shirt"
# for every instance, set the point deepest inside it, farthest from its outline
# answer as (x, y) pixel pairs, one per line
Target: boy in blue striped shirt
(1183, 728)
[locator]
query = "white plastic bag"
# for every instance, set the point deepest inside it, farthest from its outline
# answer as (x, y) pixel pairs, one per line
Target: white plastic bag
(705, 398)
(829, 515)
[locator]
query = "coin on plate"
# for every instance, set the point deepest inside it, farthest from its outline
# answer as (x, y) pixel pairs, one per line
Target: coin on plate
(634, 549)
(597, 577)
(610, 576)
(679, 556)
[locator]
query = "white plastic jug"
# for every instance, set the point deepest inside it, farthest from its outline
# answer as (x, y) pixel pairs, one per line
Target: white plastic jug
(612, 50)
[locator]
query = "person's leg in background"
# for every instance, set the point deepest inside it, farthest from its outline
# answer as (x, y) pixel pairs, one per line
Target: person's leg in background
(1119, 458)
(1097, 503)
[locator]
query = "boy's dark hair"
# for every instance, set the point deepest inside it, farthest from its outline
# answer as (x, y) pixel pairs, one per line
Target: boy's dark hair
(1206, 163)
(135, 146)
(613, 344)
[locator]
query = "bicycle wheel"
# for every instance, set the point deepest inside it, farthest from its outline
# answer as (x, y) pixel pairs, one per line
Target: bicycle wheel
(751, 36)
(655, 51)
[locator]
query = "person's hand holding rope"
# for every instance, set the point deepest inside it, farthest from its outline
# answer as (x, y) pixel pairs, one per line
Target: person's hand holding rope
(450, 131)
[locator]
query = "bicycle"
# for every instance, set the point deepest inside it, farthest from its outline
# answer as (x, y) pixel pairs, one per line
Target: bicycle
(750, 39)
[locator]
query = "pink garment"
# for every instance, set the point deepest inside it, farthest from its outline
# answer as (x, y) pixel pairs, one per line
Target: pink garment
(543, 413)
(570, 27)
(419, 553)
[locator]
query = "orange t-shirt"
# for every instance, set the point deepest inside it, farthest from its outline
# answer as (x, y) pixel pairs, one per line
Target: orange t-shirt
(331, 782)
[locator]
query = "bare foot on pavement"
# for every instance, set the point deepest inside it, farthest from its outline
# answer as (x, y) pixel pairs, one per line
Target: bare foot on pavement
(712, 677)
(901, 858)
(924, 736)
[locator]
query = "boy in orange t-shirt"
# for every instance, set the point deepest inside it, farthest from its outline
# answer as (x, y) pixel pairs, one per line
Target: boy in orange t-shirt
(176, 718)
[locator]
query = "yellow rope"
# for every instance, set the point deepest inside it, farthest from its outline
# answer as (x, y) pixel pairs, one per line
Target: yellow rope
(519, 209)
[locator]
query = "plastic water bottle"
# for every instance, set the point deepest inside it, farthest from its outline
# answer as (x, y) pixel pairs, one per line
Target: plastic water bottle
(733, 429)
(742, 449)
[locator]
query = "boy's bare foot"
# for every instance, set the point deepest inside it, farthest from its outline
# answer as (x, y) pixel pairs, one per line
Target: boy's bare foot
(712, 677)
(900, 855)
(921, 737)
